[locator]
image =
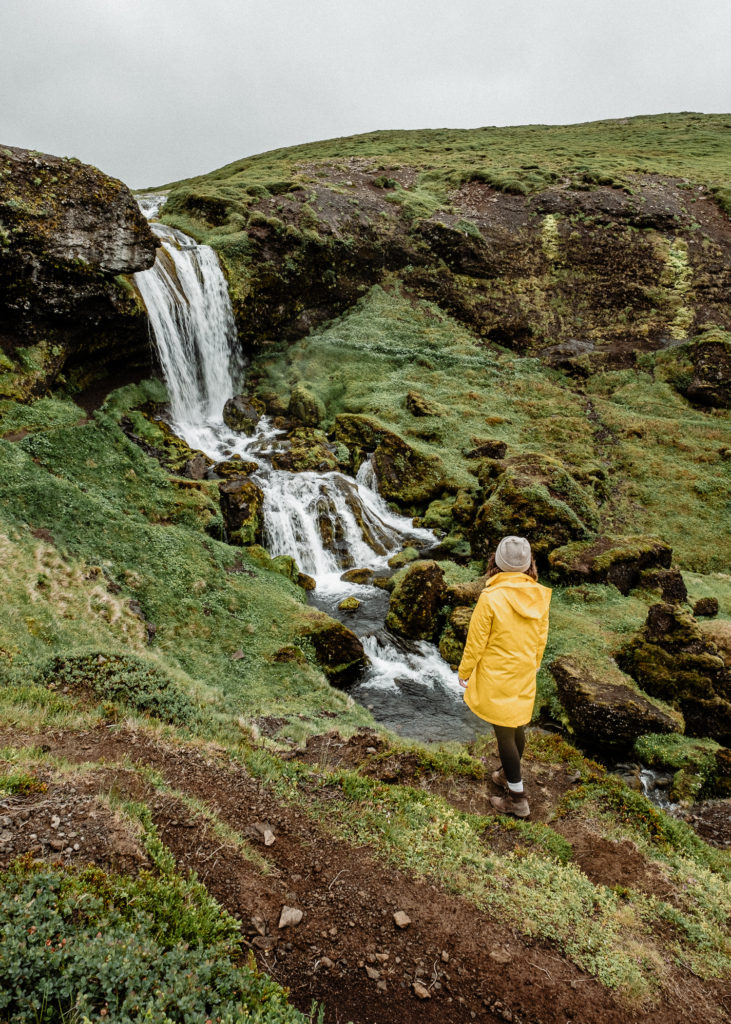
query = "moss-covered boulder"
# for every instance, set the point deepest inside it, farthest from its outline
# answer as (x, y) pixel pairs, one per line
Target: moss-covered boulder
(338, 650)
(692, 762)
(711, 382)
(305, 450)
(609, 559)
(465, 593)
(415, 601)
(349, 604)
(241, 507)
(706, 607)
(362, 576)
(454, 635)
(405, 476)
(531, 496)
(668, 583)
(672, 659)
(608, 713)
(417, 405)
(68, 236)
(304, 407)
(242, 414)
(235, 466)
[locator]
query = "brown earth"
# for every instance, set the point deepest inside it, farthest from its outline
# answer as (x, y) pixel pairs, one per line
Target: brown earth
(347, 952)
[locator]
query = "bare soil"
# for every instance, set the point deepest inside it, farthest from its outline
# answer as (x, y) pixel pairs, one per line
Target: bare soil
(347, 952)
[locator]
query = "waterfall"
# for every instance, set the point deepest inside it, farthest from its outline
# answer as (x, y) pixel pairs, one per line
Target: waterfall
(327, 522)
(187, 301)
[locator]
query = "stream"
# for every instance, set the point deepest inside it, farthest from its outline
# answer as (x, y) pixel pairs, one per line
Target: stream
(408, 687)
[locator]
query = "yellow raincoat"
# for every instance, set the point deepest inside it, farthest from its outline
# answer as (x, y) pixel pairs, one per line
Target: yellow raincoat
(505, 644)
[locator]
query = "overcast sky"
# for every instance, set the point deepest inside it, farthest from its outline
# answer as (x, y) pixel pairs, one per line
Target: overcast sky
(155, 90)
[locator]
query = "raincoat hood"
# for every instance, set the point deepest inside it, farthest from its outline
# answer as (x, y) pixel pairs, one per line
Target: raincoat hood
(525, 596)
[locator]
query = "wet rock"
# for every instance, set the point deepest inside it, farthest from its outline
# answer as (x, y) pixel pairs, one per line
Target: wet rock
(304, 407)
(706, 606)
(241, 507)
(401, 919)
(403, 557)
(607, 714)
(363, 576)
(451, 647)
(415, 601)
(349, 604)
(338, 650)
(235, 466)
(242, 414)
(290, 917)
(460, 620)
(404, 475)
(417, 405)
(531, 496)
(671, 658)
(305, 581)
(306, 451)
(609, 559)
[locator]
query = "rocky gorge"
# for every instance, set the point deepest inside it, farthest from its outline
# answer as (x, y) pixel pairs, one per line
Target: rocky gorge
(540, 350)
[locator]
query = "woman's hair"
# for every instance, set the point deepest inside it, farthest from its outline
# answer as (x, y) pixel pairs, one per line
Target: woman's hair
(493, 568)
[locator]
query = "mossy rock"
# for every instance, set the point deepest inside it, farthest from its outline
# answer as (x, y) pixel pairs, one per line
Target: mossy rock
(609, 559)
(242, 413)
(338, 650)
(465, 593)
(608, 714)
(706, 607)
(404, 475)
(362, 576)
(415, 601)
(306, 451)
(417, 405)
(349, 604)
(451, 647)
(404, 557)
(531, 496)
(304, 407)
(672, 659)
(667, 583)
(711, 383)
(693, 762)
(460, 619)
(235, 466)
(241, 507)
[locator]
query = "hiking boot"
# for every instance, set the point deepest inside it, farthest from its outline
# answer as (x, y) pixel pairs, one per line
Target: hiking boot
(499, 779)
(514, 803)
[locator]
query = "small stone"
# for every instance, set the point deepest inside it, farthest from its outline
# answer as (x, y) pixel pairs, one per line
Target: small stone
(6, 821)
(500, 956)
(381, 957)
(382, 986)
(333, 932)
(401, 919)
(370, 750)
(57, 844)
(5, 836)
(237, 655)
(55, 821)
(77, 847)
(421, 991)
(327, 963)
(290, 917)
(259, 925)
(445, 956)
(373, 973)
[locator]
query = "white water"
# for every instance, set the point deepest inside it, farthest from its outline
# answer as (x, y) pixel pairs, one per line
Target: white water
(327, 521)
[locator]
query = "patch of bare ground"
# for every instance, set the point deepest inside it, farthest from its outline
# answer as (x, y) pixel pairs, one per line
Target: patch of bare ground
(347, 951)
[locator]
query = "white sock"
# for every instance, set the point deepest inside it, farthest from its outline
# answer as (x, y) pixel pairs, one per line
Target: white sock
(516, 788)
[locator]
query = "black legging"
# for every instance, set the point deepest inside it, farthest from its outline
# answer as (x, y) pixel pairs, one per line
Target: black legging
(510, 745)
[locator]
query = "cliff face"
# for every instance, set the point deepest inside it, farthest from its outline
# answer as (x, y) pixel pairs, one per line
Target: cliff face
(67, 235)
(582, 267)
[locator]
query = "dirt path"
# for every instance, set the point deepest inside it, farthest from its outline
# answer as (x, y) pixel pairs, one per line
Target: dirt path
(347, 952)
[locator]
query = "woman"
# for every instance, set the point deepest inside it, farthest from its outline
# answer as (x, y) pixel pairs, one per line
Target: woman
(505, 644)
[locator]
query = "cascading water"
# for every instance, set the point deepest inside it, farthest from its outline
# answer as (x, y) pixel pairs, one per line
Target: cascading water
(327, 521)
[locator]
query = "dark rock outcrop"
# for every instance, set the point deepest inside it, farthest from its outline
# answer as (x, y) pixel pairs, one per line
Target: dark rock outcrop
(68, 235)
(241, 505)
(305, 450)
(607, 715)
(338, 650)
(671, 658)
(242, 414)
(415, 601)
(711, 383)
(616, 560)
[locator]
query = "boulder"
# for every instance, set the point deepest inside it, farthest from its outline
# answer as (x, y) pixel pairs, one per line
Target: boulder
(242, 414)
(487, 449)
(306, 451)
(417, 405)
(711, 383)
(608, 713)
(460, 620)
(241, 505)
(363, 576)
(235, 466)
(672, 659)
(415, 601)
(668, 582)
(338, 650)
(465, 593)
(609, 559)
(706, 607)
(531, 496)
(304, 407)
(404, 475)
(451, 647)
